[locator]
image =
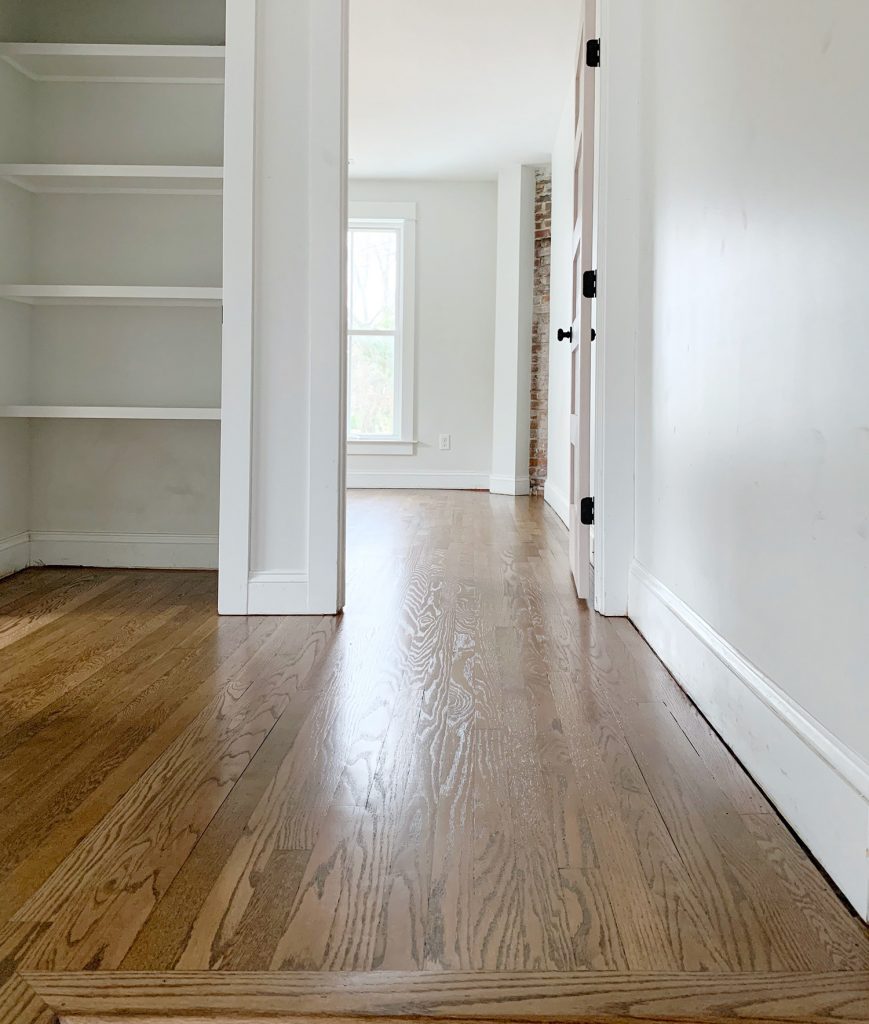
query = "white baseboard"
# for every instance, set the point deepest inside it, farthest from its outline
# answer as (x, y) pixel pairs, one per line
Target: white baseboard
(278, 593)
(510, 484)
(425, 480)
(557, 501)
(14, 554)
(123, 550)
(820, 786)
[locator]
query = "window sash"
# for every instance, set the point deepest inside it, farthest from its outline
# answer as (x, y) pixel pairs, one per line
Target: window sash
(399, 217)
(353, 435)
(397, 228)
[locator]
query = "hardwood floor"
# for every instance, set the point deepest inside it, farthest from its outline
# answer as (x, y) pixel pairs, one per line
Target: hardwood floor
(466, 772)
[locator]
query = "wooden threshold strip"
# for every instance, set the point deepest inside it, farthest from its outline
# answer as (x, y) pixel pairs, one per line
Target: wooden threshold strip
(105, 997)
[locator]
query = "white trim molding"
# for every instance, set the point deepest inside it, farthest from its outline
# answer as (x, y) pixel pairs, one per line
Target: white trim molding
(278, 593)
(239, 222)
(401, 218)
(510, 484)
(456, 481)
(379, 446)
(123, 550)
(14, 553)
(820, 786)
(617, 308)
(253, 319)
(557, 501)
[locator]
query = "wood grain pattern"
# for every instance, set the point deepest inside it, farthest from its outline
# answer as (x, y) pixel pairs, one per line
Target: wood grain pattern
(583, 996)
(35, 612)
(468, 771)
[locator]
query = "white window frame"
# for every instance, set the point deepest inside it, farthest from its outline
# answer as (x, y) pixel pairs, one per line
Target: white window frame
(401, 216)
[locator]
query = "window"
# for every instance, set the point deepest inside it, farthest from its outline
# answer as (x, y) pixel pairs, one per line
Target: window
(380, 277)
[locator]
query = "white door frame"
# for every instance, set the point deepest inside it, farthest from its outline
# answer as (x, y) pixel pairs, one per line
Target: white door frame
(619, 241)
(319, 589)
(583, 261)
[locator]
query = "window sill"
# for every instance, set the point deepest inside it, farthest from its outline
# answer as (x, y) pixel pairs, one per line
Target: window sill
(375, 447)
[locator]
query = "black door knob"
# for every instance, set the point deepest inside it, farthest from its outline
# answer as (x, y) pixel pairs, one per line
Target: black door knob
(565, 335)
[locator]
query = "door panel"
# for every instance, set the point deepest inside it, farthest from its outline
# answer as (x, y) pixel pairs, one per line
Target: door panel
(580, 345)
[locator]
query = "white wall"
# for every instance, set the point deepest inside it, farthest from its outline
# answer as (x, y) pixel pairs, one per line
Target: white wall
(195, 22)
(514, 299)
(455, 330)
(16, 19)
(557, 487)
(752, 507)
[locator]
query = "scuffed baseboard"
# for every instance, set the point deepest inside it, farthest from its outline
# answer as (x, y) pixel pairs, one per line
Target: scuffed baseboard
(123, 550)
(14, 554)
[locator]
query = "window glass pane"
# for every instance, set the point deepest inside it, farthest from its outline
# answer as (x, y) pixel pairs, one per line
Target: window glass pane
(372, 385)
(373, 278)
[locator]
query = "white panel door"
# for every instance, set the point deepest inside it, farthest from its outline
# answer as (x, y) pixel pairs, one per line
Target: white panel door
(580, 328)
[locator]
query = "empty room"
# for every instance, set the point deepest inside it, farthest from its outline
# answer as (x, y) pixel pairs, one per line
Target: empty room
(434, 511)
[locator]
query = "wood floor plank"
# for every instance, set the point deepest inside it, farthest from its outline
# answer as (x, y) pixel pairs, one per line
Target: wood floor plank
(409, 806)
(34, 746)
(89, 695)
(100, 896)
(72, 759)
(499, 937)
(662, 921)
(836, 927)
(543, 908)
(621, 813)
(541, 647)
(168, 930)
(449, 915)
(30, 649)
(40, 610)
(20, 585)
(468, 770)
(19, 1004)
(750, 910)
(37, 682)
(344, 899)
(234, 644)
(583, 996)
(594, 928)
(329, 760)
(741, 789)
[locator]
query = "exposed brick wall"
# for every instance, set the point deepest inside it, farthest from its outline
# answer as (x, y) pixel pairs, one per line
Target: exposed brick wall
(540, 330)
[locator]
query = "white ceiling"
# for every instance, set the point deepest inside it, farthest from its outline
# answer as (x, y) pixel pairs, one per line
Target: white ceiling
(456, 88)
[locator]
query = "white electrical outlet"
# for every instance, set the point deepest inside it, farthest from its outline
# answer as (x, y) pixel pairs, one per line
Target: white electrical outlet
(444, 442)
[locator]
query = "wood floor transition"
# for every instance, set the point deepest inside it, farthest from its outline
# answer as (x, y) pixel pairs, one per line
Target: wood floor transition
(468, 795)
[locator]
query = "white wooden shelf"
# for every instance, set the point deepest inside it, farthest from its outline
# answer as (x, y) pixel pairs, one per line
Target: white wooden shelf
(109, 295)
(80, 62)
(102, 179)
(105, 412)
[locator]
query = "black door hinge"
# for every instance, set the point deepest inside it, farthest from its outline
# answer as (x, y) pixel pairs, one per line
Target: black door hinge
(586, 511)
(592, 53)
(589, 284)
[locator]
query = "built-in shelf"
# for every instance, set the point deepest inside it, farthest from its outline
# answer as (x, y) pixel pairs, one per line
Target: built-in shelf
(80, 62)
(113, 179)
(105, 412)
(109, 295)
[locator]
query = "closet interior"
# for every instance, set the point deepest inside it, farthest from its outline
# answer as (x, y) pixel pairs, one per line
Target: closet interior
(111, 175)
